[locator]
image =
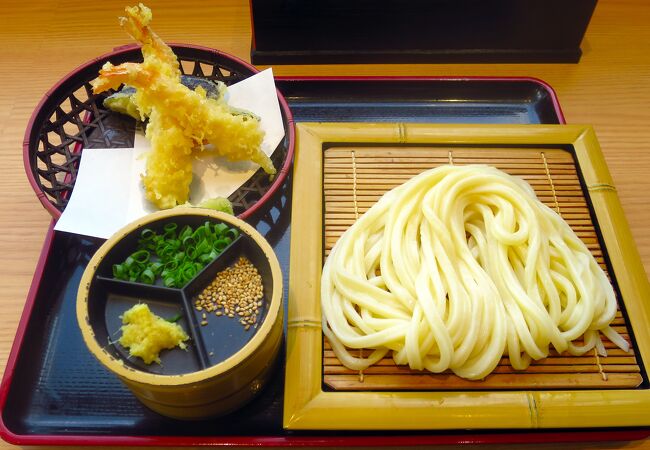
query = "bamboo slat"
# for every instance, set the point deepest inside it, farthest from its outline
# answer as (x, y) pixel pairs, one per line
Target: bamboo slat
(553, 175)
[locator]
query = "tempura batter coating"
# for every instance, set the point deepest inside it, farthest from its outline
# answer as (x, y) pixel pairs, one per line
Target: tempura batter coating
(181, 120)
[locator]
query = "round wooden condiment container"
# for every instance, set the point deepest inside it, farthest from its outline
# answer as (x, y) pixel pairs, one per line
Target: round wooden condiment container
(198, 382)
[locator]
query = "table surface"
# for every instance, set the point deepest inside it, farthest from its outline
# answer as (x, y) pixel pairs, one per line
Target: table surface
(42, 40)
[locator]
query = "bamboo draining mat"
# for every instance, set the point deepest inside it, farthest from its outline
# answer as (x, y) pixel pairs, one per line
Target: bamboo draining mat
(355, 178)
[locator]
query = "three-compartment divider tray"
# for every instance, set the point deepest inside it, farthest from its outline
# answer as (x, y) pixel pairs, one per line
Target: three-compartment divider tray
(212, 339)
(55, 393)
(218, 277)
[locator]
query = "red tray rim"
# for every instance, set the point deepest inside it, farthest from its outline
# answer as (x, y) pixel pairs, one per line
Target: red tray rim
(505, 437)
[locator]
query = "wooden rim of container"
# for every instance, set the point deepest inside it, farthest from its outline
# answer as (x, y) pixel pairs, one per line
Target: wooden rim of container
(116, 365)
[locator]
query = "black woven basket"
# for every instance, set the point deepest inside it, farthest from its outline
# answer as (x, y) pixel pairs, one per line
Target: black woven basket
(70, 118)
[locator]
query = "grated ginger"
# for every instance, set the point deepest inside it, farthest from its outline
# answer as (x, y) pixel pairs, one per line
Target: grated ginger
(146, 334)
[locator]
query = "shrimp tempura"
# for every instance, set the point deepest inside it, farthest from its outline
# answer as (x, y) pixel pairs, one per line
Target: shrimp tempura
(180, 120)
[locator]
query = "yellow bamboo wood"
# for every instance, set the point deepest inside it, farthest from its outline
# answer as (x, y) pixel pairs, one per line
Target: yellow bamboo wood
(303, 318)
(323, 189)
(375, 382)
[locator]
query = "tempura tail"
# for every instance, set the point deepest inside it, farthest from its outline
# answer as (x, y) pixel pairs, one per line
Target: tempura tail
(136, 24)
(112, 77)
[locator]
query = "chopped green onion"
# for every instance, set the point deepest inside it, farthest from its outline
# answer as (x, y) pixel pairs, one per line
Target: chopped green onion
(156, 268)
(200, 233)
(220, 228)
(147, 276)
(203, 247)
(147, 234)
(188, 271)
(166, 252)
(206, 259)
(189, 241)
(168, 236)
(135, 271)
(170, 227)
(191, 253)
(232, 233)
(185, 232)
(120, 272)
(171, 265)
(141, 256)
(220, 244)
(173, 256)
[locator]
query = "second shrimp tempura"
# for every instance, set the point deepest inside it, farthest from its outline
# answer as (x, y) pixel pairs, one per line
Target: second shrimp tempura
(181, 120)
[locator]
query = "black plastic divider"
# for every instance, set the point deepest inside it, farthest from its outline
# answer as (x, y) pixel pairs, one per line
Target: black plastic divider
(223, 336)
(203, 278)
(112, 297)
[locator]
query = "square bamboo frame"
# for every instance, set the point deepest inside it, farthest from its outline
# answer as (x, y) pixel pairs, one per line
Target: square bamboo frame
(308, 406)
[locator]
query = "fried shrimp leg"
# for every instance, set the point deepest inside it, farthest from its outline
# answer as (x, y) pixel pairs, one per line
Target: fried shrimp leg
(181, 120)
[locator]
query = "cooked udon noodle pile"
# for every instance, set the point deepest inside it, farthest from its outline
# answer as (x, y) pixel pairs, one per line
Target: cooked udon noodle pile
(458, 267)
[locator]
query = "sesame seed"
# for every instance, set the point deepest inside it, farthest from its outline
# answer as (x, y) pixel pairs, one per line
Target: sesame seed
(237, 290)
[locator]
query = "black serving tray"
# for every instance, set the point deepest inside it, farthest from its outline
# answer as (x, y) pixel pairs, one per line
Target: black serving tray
(54, 392)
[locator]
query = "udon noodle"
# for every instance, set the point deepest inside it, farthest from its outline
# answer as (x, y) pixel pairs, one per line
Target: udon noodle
(458, 267)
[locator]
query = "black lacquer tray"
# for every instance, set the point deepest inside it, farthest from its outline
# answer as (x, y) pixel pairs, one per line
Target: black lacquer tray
(54, 392)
